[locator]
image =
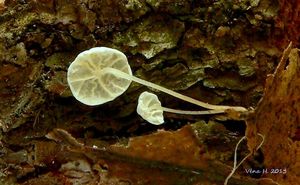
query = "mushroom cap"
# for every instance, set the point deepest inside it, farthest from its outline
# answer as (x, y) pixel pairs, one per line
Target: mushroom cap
(149, 107)
(89, 84)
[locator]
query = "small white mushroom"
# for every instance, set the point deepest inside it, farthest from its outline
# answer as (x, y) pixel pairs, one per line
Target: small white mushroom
(101, 74)
(150, 109)
(87, 80)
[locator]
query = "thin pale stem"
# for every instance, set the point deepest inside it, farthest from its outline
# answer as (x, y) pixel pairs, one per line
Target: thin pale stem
(235, 166)
(205, 112)
(170, 92)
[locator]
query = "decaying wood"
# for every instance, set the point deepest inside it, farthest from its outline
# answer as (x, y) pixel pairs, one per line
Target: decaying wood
(277, 117)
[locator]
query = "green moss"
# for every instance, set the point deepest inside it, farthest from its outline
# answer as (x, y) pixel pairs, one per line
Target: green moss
(150, 36)
(16, 54)
(215, 138)
(246, 67)
(59, 60)
(171, 6)
(232, 82)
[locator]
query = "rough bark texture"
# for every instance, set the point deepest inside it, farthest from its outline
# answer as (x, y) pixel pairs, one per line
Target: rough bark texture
(277, 118)
(215, 51)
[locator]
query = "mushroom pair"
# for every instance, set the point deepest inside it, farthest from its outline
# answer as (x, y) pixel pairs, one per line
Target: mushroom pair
(101, 74)
(149, 108)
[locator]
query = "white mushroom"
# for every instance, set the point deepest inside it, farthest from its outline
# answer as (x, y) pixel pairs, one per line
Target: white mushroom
(87, 80)
(101, 74)
(150, 109)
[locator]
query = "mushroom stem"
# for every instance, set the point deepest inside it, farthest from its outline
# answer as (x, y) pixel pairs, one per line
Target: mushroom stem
(170, 92)
(205, 112)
